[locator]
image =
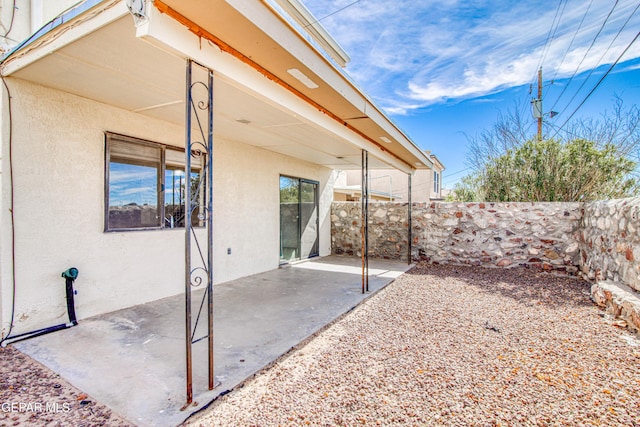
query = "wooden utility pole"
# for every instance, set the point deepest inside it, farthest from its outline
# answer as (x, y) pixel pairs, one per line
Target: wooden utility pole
(539, 104)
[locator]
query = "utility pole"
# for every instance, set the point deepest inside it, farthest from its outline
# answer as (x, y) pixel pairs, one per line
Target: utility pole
(536, 105)
(539, 105)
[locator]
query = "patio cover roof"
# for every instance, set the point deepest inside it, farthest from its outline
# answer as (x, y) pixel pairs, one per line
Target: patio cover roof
(99, 53)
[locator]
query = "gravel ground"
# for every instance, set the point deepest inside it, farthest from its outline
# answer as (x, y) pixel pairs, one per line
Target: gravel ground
(32, 395)
(453, 346)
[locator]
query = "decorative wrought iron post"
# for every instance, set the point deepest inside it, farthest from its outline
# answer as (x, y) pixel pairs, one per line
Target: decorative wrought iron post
(364, 205)
(198, 181)
(187, 243)
(209, 222)
(409, 231)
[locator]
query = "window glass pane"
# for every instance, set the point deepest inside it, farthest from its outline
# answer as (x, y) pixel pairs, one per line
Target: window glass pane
(308, 220)
(174, 190)
(289, 218)
(298, 218)
(308, 192)
(135, 184)
(133, 187)
(174, 194)
(289, 188)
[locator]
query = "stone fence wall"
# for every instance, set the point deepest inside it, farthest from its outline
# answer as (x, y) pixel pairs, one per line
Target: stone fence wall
(387, 229)
(601, 239)
(538, 235)
(610, 241)
(598, 240)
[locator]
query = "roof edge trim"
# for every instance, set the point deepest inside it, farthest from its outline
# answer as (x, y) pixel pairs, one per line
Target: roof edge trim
(203, 33)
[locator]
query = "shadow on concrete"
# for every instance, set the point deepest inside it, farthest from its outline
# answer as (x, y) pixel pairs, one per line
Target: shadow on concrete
(133, 360)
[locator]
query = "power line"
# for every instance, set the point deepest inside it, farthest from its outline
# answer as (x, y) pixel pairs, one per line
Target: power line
(552, 31)
(455, 173)
(553, 36)
(601, 58)
(593, 42)
(333, 13)
(599, 82)
(558, 129)
(572, 40)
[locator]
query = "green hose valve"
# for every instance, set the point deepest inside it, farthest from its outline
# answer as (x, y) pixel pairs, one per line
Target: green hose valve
(70, 273)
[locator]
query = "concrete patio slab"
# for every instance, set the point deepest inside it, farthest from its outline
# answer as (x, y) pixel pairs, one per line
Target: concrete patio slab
(133, 361)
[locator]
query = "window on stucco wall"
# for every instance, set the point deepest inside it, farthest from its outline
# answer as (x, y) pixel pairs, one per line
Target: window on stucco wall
(145, 185)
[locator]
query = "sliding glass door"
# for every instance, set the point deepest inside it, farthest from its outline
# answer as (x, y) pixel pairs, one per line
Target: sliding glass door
(298, 218)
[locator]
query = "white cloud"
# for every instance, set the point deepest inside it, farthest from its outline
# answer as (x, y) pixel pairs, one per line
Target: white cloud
(125, 174)
(410, 55)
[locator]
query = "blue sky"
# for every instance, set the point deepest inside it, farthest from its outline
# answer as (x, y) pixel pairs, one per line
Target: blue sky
(444, 69)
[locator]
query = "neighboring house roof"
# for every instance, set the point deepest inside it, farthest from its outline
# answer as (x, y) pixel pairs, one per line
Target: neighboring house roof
(96, 52)
(437, 163)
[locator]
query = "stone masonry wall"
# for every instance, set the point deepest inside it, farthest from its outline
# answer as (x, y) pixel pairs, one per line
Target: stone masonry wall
(540, 235)
(610, 241)
(387, 229)
(598, 240)
(537, 235)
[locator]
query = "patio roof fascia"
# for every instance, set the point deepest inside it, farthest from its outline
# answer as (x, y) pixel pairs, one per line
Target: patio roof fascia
(279, 29)
(166, 33)
(340, 78)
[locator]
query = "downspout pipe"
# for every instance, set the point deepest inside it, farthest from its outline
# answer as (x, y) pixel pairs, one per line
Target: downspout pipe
(70, 275)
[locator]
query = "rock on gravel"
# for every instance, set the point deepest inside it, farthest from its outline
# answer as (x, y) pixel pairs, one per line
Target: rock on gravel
(32, 395)
(453, 346)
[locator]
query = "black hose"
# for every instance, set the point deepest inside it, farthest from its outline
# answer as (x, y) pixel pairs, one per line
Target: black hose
(70, 276)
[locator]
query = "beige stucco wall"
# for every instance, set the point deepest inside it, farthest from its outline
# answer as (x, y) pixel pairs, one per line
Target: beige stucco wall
(58, 145)
(4, 220)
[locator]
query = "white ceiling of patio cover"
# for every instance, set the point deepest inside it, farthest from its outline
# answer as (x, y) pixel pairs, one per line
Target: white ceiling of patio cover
(112, 66)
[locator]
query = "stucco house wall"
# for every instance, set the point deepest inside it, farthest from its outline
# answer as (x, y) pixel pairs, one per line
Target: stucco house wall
(59, 164)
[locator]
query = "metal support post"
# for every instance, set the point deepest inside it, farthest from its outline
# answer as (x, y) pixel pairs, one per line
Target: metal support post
(409, 230)
(198, 181)
(209, 210)
(364, 206)
(366, 224)
(187, 242)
